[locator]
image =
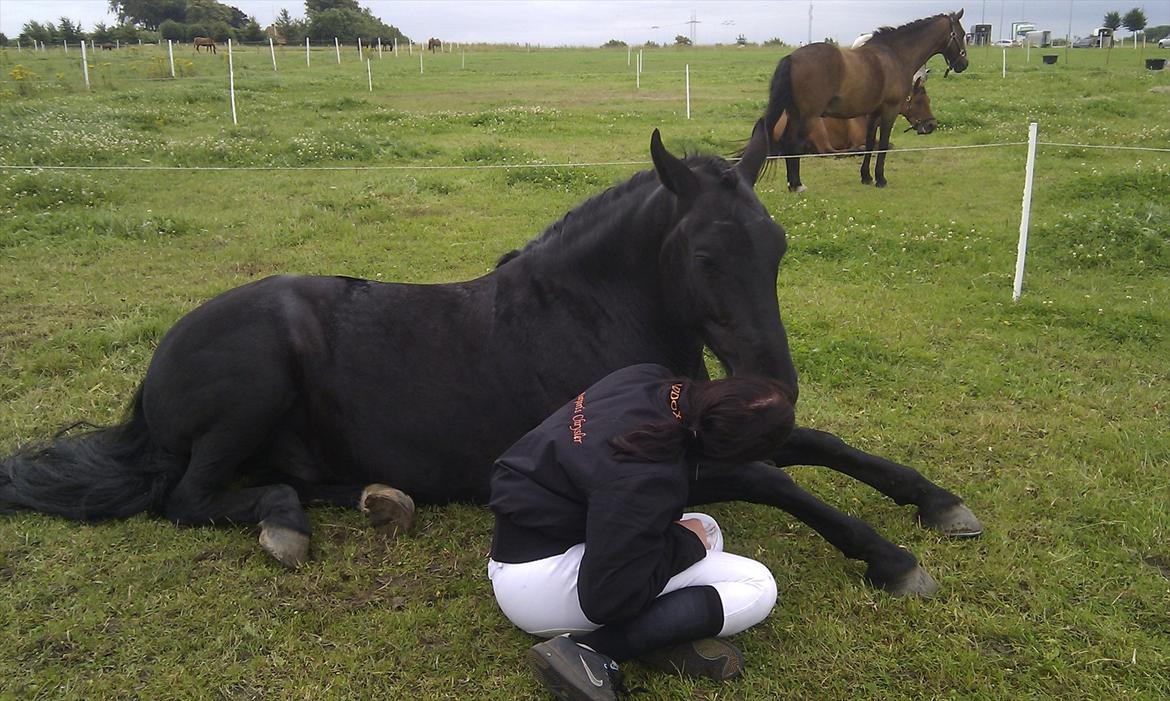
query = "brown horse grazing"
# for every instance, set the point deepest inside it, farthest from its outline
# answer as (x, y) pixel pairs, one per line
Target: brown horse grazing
(871, 81)
(842, 136)
(204, 41)
(434, 44)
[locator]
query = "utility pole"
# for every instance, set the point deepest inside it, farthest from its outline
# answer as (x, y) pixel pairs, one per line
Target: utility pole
(693, 22)
(809, 23)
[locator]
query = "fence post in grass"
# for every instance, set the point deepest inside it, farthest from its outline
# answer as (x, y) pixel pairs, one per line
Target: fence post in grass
(171, 56)
(1026, 213)
(272, 50)
(18, 49)
(1004, 63)
(84, 66)
(379, 47)
(359, 48)
(118, 44)
(66, 45)
(420, 66)
(307, 63)
(688, 72)
(232, 81)
(370, 75)
(337, 47)
(395, 47)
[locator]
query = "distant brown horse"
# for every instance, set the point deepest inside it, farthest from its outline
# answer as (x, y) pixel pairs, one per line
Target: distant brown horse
(871, 81)
(841, 136)
(106, 46)
(204, 41)
(434, 44)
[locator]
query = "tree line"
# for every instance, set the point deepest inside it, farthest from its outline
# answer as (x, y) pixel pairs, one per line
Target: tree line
(183, 20)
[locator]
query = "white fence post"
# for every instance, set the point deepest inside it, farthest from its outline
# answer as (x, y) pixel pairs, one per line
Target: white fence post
(1004, 63)
(370, 75)
(171, 56)
(272, 50)
(420, 66)
(688, 71)
(66, 45)
(232, 81)
(359, 48)
(1026, 214)
(84, 65)
(307, 63)
(379, 47)
(337, 46)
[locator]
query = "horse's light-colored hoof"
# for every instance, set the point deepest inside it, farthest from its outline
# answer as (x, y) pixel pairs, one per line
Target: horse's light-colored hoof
(798, 188)
(289, 547)
(390, 511)
(955, 521)
(916, 582)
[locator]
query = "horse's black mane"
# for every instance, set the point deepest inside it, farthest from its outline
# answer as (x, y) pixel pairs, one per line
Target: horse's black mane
(909, 26)
(598, 208)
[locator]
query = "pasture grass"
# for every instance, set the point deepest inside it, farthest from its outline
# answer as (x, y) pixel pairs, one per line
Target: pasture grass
(1049, 415)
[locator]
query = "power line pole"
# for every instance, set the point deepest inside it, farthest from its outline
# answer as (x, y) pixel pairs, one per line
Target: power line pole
(693, 22)
(810, 23)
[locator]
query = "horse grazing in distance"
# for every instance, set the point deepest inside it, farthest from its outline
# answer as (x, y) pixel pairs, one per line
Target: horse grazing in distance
(106, 46)
(871, 81)
(434, 44)
(206, 42)
(294, 389)
(830, 135)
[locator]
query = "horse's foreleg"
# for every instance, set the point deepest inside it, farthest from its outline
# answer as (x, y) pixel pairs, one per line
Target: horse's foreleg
(883, 146)
(389, 510)
(937, 508)
(887, 566)
(870, 137)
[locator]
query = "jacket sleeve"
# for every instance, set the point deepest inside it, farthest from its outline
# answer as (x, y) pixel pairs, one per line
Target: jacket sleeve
(632, 545)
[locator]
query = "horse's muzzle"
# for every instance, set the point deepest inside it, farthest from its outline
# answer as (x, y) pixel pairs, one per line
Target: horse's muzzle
(926, 126)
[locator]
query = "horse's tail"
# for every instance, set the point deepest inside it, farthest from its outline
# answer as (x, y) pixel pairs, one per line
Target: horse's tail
(780, 96)
(104, 472)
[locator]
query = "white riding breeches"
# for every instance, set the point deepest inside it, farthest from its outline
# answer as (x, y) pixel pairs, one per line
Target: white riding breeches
(540, 597)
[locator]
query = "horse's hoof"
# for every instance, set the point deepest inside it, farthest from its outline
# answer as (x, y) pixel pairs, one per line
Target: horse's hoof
(390, 511)
(797, 188)
(867, 181)
(956, 521)
(880, 183)
(916, 582)
(289, 547)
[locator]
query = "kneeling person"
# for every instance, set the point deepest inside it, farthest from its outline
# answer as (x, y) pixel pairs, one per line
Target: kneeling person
(592, 548)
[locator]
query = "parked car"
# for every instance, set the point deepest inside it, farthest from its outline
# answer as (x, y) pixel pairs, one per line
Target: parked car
(1089, 42)
(1164, 42)
(1005, 43)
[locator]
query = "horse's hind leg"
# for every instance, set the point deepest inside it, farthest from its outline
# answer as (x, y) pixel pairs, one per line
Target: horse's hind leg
(389, 510)
(937, 507)
(888, 566)
(883, 147)
(790, 145)
(870, 138)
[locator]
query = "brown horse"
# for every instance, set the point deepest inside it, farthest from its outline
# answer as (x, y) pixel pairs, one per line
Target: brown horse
(840, 136)
(204, 41)
(871, 81)
(434, 44)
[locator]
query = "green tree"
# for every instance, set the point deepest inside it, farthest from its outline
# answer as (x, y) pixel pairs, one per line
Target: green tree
(292, 31)
(1134, 20)
(69, 31)
(1112, 20)
(614, 44)
(175, 31)
(35, 31)
(680, 40)
(148, 13)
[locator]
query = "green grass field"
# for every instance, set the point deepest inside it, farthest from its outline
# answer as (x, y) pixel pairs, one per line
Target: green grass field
(1049, 415)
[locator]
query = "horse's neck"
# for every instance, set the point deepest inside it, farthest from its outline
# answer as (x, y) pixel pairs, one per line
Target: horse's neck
(915, 49)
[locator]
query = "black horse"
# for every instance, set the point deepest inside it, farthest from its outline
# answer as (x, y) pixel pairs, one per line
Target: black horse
(312, 388)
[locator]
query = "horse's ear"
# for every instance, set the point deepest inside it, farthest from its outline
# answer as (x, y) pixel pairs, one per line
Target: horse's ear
(674, 174)
(755, 154)
(960, 14)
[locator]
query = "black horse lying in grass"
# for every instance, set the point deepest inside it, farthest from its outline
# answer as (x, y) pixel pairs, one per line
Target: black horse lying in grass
(313, 388)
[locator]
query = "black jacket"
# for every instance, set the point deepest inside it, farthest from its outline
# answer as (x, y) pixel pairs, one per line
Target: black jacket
(560, 485)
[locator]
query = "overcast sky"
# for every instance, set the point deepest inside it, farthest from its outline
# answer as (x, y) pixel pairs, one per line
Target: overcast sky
(591, 23)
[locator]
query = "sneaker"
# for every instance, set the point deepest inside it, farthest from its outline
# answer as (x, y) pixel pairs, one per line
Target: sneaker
(572, 672)
(712, 658)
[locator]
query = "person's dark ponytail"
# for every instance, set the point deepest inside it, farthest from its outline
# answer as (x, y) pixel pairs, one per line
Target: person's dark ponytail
(737, 419)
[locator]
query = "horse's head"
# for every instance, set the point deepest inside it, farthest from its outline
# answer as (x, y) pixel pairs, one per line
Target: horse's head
(719, 261)
(916, 108)
(955, 50)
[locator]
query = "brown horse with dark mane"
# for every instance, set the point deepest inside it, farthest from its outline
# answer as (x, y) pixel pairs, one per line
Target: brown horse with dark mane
(871, 81)
(204, 41)
(434, 44)
(830, 135)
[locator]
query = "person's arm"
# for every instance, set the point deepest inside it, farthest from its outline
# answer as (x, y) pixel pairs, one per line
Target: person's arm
(633, 545)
